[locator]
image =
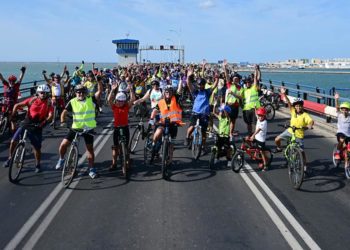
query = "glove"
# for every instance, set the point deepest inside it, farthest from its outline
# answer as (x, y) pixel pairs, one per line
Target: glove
(23, 69)
(44, 72)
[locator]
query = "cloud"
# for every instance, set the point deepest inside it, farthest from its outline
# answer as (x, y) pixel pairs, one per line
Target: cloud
(206, 4)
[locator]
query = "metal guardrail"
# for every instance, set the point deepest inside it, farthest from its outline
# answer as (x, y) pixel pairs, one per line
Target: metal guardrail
(26, 89)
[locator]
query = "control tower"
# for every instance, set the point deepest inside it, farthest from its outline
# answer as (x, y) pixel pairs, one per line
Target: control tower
(127, 50)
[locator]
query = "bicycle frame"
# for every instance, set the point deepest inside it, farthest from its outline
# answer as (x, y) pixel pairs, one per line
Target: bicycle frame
(251, 150)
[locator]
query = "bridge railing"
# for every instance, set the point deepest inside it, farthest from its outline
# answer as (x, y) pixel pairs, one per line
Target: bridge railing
(26, 89)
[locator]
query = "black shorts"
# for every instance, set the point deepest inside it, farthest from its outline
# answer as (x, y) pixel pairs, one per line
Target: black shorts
(172, 130)
(35, 136)
(88, 138)
(344, 137)
(260, 145)
(249, 116)
(203, 121)
(116, 135)
(223, 142)
(234, 112)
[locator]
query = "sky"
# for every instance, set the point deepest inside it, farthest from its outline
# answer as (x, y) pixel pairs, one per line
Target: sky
(236, 30)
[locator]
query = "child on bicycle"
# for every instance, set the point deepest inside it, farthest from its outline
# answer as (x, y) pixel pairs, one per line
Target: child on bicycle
(259, 136)
(224, 132)
(343, 131)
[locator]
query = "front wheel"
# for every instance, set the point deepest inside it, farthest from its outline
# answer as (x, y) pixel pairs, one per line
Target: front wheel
(237, 161)
(336, 162)
(212, 157)
(296, 167)
(17, 162)
(135, 139)
(165, 158)
(125, 161)
(270, 111)
(197, 144)
(70, 166)
(3, 125)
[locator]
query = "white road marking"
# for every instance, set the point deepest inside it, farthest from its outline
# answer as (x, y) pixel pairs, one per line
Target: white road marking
(42, 208)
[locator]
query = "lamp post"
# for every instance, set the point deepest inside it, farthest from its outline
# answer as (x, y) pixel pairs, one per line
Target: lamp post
(179, 41)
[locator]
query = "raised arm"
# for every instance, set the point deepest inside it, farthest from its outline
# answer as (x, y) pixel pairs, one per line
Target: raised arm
(204, 62)
(99, 88)
(111, 95)
(48, 81)
(224, 66)
(1, 78)
(189, 79)
(23, 70)
(336, 97)
(132, 95)
(283, 92)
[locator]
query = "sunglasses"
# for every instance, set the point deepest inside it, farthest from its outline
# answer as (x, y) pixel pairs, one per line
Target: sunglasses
(43, 93)
(79, 92)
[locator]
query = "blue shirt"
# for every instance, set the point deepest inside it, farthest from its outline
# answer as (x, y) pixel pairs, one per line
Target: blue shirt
(201, 101)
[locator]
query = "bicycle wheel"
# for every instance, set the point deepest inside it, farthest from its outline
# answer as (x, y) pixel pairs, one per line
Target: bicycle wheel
(147, 149)
(212, 157)
(54, 118)
(3, 125)
(124, 161)
(270, 111)
(70, 166)
(197, 144)
(336, 162)
(237, 161)
(277, 102)
(17, 162)
(268, 154)
(135, 139)
(165, 158)
(296, 167)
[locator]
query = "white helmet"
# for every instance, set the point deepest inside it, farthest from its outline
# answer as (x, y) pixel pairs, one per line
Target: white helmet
(120, 97)
(43, 88)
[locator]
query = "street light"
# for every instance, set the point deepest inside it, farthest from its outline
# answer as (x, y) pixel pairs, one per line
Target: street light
(178, 37)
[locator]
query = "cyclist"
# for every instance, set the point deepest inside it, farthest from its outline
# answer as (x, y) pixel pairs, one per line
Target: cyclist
(259, 136)
(40, 111)
(84, 118)
(11, 92)
(120, 108)
(299, 119)
(57, 92)
(343, 131)
(154, 94)
(168, 107)
(201, 109)
(224, 131)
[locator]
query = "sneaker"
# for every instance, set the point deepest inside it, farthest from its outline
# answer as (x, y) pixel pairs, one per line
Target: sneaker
(187, 142)
(261, 165)
(60, 164)
(92, 173)
(229, 164)
(6, 163)
(265, 168)
(37, 169)
(278, 150)
(337, 156)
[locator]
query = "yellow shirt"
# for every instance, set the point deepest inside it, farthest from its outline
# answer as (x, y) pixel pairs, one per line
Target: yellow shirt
(299, 121)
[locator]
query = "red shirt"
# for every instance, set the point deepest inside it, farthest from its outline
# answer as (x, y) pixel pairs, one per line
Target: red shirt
(121, 115)
(11, 93)
(39, 110)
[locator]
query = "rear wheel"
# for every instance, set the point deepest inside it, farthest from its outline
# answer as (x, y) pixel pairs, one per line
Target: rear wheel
(270, 111)
(296, 167)
(70, 166)
(125, 162)
(165, 158)
(135, 139)
(197, 144)
(212, 157)
(336, 162)
(147, 149)
(237, 161)
(17, 162)
(3, 125)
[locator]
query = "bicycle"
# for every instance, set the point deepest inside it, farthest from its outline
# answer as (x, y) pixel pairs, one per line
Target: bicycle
(57, 109)
(17, 159)
(197, 140)
(217, 152)
(138, 132)
(71, 163)
(166, 148)
(254, 153)
(270, 110)
(4, 120)
(123, 153)
(343, 152)
(295, 160)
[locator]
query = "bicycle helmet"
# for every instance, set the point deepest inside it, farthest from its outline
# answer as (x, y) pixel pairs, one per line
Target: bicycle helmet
(345, 105)
(298, 101)
(12, 78)
(225, 108)
(120, 97)
(201, 81)
(80, 87)
(43, 88)
(123, 87)
(261, 111)
(57, 76)
(155, 82)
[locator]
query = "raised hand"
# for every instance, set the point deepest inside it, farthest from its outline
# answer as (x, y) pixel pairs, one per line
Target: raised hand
(336, 96)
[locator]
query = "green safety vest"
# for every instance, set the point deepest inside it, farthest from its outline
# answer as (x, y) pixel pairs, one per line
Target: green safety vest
(231, 98)
(251, 98)
(224, 126)
(83, 114)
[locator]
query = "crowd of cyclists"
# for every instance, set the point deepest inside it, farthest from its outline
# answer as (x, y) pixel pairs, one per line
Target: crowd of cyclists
(209, 91)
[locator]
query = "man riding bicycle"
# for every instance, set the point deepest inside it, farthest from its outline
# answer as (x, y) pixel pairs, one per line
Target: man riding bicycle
(40, 111)
(84, 118)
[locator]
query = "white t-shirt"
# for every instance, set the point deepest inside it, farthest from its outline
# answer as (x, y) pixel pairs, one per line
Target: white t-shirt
(155, 96)
(56, 89)
(343, 124)
(261, 136)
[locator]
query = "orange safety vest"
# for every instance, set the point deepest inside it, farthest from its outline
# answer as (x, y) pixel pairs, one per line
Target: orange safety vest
(174, 112)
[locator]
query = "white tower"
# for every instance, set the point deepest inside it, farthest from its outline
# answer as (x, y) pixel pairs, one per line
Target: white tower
(127, 50)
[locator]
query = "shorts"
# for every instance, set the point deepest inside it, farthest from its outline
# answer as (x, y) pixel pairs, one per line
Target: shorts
(117, 132)
(234, 112)
(88, 138)
(249, 116)
(35, 136)
(203, 121)
(343, 136)
(58, 102)
(259, 144)
(172, 130)
(285, 135)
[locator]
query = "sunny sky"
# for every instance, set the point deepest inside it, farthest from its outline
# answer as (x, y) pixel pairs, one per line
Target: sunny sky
(238, 30)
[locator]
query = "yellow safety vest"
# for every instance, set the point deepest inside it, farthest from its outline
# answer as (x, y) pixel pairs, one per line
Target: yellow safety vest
(231, 99)
(83, 114)
(251, 98)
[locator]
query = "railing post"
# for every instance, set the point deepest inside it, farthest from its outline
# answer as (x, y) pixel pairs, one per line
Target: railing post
(33, 89)
(318, 91)
(298, 88)
(271, 86)
(333, 100)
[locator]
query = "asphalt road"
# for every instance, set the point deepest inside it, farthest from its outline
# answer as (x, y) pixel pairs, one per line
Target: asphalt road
(195, 209)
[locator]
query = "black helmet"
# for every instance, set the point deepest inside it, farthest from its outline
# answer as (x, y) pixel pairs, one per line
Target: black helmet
(155, 82)
(201, 81)
(247, 79)
(80, 87)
